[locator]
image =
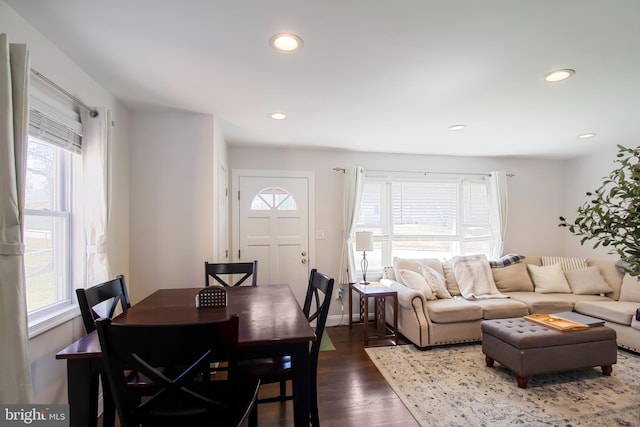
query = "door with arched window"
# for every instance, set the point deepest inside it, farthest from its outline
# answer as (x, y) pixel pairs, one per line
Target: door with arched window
(274, 217)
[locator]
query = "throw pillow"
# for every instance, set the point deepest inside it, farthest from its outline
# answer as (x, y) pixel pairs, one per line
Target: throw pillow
(587, 281)
(505, 260)
(567, 264)
(436, 281)
(630, 290)
(414, 280)
(549, 279)
(512, 278)
(452, 283)
(415, 264)
(388, 273)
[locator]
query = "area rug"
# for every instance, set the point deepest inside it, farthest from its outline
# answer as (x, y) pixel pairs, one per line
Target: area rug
(325, 342)
(451, 386)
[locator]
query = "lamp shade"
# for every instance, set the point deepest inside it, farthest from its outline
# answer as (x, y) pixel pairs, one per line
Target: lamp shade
(364, 241)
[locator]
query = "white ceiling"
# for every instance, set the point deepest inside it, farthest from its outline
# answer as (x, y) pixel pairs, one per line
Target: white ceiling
(373, 75)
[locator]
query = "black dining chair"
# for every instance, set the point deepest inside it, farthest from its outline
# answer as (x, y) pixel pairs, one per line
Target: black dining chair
(278, 370)
(183, 398)
(224, 273)
(112, 293)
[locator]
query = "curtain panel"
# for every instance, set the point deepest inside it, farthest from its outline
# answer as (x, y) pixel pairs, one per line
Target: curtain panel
(497, 186)
(15, 375)
(353, 186)
(95, 160)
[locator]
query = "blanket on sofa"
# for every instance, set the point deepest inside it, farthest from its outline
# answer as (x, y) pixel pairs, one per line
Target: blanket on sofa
(474, 277)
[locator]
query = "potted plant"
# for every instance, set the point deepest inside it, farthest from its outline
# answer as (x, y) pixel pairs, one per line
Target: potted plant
(612, 215)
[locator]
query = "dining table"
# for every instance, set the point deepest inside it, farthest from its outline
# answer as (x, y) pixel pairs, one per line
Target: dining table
(271, 324)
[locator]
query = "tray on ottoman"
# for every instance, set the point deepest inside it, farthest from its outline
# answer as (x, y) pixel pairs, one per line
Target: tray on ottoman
(528, 348)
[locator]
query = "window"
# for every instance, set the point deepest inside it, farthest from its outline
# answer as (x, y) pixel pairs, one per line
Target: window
(52, 229)
(428, 218)
(273, 198)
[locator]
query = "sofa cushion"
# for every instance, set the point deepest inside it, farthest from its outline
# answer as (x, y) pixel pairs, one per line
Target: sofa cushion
(587, 281)
(436, 281)
(450, 277)
(542, 303)
(512, 278)
(415, 264)
(453, 310)
(415, 281)
(502, 308)
(630, 290)
(548, 279)
(611, 273)
(620, 312)
(566, 263)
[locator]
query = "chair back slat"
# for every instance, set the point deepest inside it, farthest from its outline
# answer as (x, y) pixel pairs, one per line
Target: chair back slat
(223, 273)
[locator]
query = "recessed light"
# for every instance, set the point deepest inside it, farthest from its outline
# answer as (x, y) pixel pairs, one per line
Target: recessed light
(457, 127)
(278, 116)
(559, 75)
(285, 42)
(586, 135)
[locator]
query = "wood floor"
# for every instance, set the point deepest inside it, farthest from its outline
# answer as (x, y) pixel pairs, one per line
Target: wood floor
(351, 390)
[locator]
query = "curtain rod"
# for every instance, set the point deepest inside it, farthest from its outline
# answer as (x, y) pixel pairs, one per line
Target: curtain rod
(92, 111)
(337, 169)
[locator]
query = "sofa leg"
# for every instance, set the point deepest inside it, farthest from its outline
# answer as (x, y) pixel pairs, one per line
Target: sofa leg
(606, 370)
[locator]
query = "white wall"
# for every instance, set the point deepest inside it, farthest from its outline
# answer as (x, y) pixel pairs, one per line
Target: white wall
(49, 375)
(172, 191)
(581, 175)
(536, 193)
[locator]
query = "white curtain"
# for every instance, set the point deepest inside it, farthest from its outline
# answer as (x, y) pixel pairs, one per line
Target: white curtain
(95, 157)
(15, 375)
(497, 186)
(352, 194)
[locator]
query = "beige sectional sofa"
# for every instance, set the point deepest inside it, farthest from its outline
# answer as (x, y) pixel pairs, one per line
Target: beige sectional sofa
(427, 320)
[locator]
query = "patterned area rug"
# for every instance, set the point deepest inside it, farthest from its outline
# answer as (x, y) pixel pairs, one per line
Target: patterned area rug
(451, 386)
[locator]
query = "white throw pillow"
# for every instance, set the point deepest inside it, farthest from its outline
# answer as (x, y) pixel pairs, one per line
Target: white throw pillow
(587, 281)
(436, 281)
(414, 280)
(549, 279)
(566, 263)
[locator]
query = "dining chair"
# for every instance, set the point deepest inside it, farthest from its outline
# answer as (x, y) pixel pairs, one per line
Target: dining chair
(278, 370)
(114, 290)
(183, 398)
(223, 273)
(112, 293)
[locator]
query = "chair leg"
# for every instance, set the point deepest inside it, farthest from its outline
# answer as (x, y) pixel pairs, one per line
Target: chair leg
(108, 406)
(283, 388)
(253, 415)
(313, 404)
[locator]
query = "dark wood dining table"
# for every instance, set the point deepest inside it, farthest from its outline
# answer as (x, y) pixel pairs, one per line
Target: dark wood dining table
(272, 324)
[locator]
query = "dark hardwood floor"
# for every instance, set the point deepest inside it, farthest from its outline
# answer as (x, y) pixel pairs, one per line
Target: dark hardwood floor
(351, 390)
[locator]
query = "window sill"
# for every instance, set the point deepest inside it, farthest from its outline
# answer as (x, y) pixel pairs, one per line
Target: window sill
(57, 318)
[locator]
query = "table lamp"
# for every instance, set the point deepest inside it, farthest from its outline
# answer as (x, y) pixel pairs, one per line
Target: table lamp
(364, 243)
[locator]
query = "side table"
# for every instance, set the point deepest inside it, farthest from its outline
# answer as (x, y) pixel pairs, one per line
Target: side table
(379, 293)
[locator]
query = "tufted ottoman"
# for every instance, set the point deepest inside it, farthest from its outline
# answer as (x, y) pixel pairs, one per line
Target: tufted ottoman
(528, 349)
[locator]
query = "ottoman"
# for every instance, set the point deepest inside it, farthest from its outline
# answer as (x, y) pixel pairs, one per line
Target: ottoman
(527, 348)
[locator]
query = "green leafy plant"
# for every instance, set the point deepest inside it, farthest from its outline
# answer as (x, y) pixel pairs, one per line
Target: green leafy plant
(612, 215)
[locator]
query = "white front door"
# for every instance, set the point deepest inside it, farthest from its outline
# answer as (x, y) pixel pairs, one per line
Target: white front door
(274, 219)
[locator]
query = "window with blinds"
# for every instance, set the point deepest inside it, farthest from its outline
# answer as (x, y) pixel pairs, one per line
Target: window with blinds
(426, 218)
(52, 224)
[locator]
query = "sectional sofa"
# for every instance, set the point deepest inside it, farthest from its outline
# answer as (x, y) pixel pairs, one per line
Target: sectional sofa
(431, 316)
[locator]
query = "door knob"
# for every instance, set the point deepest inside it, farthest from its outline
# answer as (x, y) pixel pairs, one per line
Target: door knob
(304, 253)
(304, 260)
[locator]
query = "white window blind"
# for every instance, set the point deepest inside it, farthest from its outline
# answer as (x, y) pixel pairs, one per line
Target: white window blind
(54, 123)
